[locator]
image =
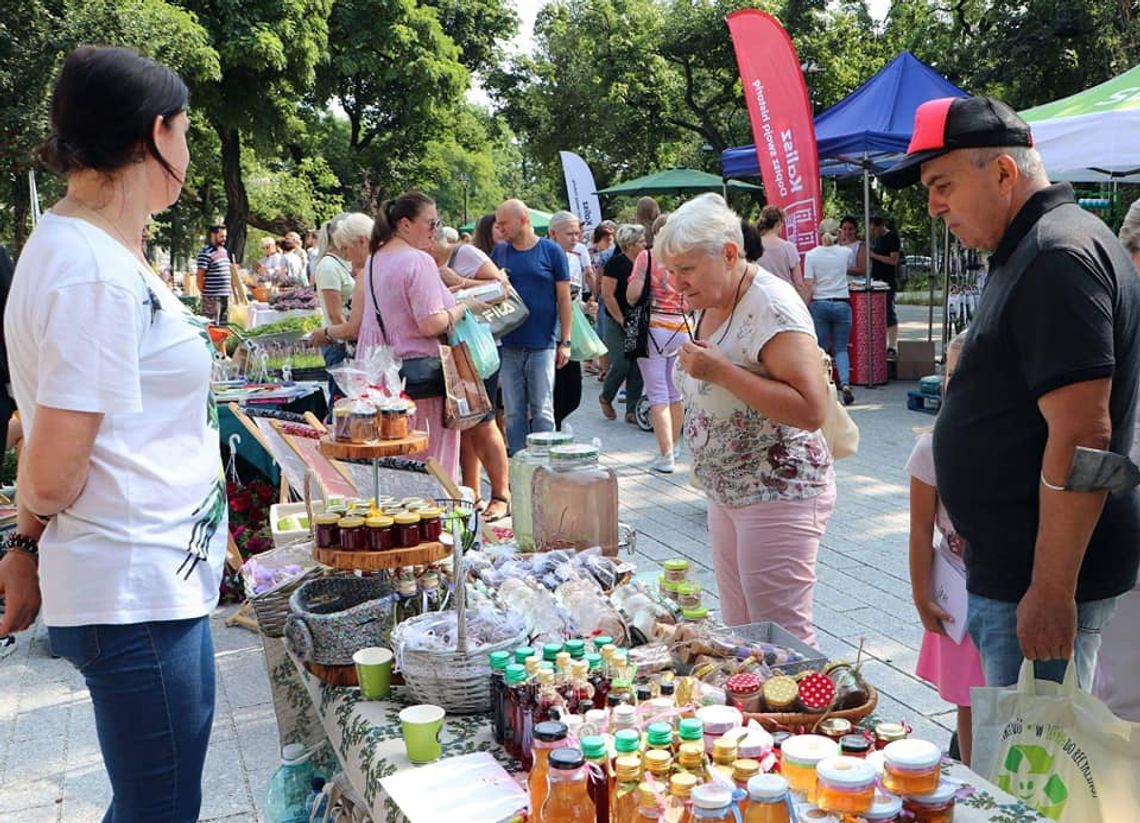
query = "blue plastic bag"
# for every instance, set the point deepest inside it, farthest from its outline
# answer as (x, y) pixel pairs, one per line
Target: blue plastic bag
(480, 342)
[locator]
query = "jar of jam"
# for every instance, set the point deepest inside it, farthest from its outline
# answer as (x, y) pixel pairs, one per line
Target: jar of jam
(744, 688)
(835, 728)
(778, 739)
(408, 530)
(780, 693)
(816, 692)
(431, 526)
(854, 745)
(689, 595)
(799, 757)
(935, 807)
(886, 733)
(911, 767)
(676, 570)
(328, 535)
(381, 532)
(352, 536)
(845, 784)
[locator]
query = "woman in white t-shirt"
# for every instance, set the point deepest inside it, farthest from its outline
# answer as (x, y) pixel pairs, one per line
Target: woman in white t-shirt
(342, 251)
(755, 399)
(121, 466)
(825, 278)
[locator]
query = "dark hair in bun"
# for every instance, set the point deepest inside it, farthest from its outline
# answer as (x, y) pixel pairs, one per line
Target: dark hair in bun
(409, 204)
(103, 109)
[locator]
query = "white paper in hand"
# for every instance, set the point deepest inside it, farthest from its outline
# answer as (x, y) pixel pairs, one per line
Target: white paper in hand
(948, 588)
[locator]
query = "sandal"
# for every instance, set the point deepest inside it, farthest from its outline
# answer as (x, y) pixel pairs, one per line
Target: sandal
(479, 504)
(495, 518)
(607, 408)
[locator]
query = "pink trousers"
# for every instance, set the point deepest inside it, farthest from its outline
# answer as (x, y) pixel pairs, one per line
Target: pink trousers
(764, 559)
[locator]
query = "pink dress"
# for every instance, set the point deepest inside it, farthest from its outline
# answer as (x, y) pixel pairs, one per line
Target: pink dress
(954, 669)
(409, 288)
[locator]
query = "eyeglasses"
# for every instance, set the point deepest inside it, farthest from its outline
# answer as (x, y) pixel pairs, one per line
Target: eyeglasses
(436, 224)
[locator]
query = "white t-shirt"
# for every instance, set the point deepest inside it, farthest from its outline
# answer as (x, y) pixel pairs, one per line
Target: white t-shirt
(334, 274)
(468, 260)
(90, 329)
(827, 267)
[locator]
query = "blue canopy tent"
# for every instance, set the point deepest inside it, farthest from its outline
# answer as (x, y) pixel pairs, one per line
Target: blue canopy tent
(865, 130)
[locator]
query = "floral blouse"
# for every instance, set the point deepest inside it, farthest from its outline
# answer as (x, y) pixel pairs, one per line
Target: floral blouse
(740, 456)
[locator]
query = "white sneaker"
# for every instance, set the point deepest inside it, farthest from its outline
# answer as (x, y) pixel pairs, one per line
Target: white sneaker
(677, 452)
(620, 396)
(663, 464)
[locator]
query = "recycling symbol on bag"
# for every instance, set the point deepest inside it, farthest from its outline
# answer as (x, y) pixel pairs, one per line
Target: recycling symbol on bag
(1028, 775)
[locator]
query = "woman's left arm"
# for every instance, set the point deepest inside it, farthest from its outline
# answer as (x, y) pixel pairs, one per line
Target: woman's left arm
(794, 395)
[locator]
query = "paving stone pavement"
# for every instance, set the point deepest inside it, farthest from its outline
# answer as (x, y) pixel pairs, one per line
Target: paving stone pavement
(51, 770)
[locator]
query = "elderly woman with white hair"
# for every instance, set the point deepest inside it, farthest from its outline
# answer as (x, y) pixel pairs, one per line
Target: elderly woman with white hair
(1119, 660)
(342, 250)
(755, 398)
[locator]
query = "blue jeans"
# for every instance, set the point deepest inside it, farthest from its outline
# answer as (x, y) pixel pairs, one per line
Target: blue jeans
(993, 628)
(833, 329)
(527, 378)
(152, 686)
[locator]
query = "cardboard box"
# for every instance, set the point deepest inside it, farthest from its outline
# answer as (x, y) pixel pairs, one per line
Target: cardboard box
(916, 351)
(913, 370)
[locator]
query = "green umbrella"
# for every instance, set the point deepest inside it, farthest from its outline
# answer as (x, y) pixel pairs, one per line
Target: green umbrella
(539, 220)
(677, 181)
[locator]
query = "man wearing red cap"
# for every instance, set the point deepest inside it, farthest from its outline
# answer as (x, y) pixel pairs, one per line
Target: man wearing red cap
(1051, 363)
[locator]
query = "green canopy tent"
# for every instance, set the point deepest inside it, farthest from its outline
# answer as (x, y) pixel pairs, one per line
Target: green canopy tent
(540, 220)
(677, 181)
(1092, 135)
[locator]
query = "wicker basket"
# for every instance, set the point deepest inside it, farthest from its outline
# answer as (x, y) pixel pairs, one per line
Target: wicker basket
(808, 721)
(458, 681)
(272, 607)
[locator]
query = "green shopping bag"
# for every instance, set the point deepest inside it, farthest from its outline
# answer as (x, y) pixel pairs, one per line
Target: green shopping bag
(1057, 749)
(480, 342)
(584, 341)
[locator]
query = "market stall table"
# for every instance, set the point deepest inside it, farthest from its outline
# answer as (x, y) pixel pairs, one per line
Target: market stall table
(259, 314)
(365, 738)
(307, 397)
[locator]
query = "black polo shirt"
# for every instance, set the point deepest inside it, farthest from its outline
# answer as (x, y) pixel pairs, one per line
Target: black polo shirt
(1061, 306)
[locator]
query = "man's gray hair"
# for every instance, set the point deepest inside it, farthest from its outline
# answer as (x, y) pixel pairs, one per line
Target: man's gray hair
(628, 234)
(1130, 228)
(1026, 158)
(705, 224)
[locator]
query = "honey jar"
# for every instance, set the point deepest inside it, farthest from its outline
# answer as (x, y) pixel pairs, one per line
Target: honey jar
(885, 808)
(395, 422)
(328, 535)
(768, 800)
(799, 757)
(854, 745)
(845, 785)
(886, 733)
(835, 728)
(381, 532)
(407, 530)
(911, 767)
(352, 536)
(780, 693)
(936, 807)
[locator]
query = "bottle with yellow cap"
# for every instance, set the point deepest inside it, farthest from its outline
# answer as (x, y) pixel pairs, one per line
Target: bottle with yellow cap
(691, 759)
(659, 763)
(624, 797)
(679, 806)
(648, 807)
(744, 770)
(724, 754)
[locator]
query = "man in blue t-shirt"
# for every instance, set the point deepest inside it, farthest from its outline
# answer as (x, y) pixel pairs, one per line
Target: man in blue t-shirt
(530, 354)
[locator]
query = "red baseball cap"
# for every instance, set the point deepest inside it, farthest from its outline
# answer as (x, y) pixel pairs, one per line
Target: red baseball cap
(949, 123)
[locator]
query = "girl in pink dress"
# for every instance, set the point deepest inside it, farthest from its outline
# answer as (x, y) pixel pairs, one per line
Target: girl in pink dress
(954, 668)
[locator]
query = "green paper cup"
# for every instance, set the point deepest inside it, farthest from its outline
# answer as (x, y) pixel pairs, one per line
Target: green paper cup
(374, 672)
(421, 726)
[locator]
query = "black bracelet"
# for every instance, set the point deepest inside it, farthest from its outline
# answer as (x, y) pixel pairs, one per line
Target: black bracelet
(23, 543)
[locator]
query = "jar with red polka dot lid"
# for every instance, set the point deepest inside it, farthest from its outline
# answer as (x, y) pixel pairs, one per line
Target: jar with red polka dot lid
(816, 692)
(744, 688)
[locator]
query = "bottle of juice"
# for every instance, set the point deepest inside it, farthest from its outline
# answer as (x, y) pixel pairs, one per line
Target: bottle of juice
(623, 796)
(679, 806)
(567, 792)
(580, 690)
(659, 736)
(744, 770)
(499, 662)
(598, 778)
(515, 708)
(690, 730)
(713, 802)
(547, 737)
(647, 807)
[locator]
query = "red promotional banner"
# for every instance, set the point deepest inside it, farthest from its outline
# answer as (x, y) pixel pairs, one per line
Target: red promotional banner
(781, 118)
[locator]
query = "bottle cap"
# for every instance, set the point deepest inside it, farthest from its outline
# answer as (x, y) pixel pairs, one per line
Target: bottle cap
(627, 740)
(660, 734)
(939, 796)
(912, 754)
(691, 753)
(566, 759)
(550, 731)
(294, 753)
(625, 714)
(585, 707)
(846, 772)
(576, 648)
(573, 454)
(541, 442)
(644, 693)
(676, 564)
(550, 650)
(614, 699)
(854, 744)
(532, 664)
(546, 666)
(628, 767)
(499, 661)
(515, 674)
(545, 677)
(682, 784)
(579, 667)
(699, 613)
(647, 797)
(667, 688)
(602, 640)
(691, 728)
(808, 749)
(562, 660)
(883, 807)
(745, 769)
(764, 787)
(595, 661)
(593, 746)
(522, 653)
(712, 796)
(658, 761)
(724, 749)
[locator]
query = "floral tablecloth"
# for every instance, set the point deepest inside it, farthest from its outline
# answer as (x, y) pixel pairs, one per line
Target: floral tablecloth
(364, 736)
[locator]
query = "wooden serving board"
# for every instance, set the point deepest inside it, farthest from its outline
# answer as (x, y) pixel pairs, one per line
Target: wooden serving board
(416, 442)
(388, 559)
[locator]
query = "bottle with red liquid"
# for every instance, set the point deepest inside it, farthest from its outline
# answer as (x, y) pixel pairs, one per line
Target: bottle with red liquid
(547, 697)
(598, 778)
(516, 712)
(499, 661)
(597, 676)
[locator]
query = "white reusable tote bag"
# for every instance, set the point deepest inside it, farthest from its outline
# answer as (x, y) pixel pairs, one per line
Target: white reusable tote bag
(1057, 749)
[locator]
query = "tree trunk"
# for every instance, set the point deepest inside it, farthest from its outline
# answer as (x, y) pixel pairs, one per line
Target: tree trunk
(237, 202)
